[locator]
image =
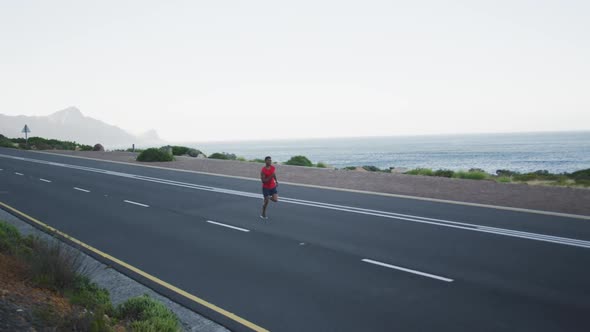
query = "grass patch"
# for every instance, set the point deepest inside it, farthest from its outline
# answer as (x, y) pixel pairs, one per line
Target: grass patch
(471, 175)
(504, 179)
(421, 171)
(446, 173)
(153, 154)
(321, 165)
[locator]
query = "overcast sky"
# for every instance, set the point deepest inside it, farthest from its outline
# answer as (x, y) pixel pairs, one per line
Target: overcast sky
(227, 70)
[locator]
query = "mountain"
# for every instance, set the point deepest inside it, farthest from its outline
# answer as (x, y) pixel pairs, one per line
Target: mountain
(71, 125)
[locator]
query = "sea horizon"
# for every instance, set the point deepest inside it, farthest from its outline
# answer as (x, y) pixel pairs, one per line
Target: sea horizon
(557, 151)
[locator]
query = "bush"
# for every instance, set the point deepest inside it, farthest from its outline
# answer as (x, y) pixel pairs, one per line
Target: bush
(179, 150)
(194, 152)
(153, 154)
(421, 171)
(321, 165)
(6, 143)
(446, 173)
(350, 168)
(147, 315)
(53, 265)
(85, 147)
(505, 172)
(257, 160)
(88, 295)
(241, 159)
(10, 239)
(223, 156)
(504, 179)
(581, 174)
(299, 161)
(98, 147)
(473, 174)
(371, 168)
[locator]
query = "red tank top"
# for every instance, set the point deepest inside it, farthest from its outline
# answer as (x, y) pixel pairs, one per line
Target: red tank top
(269, 172)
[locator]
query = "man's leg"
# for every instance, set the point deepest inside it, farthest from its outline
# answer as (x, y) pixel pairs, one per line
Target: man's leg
(274, 197)
(264, 206)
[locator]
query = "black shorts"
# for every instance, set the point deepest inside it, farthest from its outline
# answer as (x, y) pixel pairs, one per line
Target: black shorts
(269, 192)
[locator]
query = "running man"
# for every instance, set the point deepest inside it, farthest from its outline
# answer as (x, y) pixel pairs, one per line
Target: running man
(269, 185)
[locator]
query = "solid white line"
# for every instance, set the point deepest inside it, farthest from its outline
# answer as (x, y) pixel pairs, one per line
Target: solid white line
(17, 173)
(135, 203)
(228, 226)
(48, 181)
(407, 270)
(80, 189)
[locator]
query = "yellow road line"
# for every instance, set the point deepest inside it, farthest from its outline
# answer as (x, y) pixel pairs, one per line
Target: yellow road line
(142, 273)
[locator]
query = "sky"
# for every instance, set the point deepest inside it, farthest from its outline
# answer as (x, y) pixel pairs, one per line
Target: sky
(243, 70)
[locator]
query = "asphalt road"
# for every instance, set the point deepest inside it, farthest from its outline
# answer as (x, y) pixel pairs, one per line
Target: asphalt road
(326, 260)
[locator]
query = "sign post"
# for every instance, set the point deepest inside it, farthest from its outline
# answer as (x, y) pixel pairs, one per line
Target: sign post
(26, 130)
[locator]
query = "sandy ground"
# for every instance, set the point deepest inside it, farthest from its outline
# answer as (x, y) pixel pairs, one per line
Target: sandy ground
(555, 199)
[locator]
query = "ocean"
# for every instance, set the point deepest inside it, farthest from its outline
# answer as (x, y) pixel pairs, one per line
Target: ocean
(556, 152)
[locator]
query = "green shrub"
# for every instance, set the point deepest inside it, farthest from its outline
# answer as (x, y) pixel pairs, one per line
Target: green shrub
(10, 238)
(146, 314)
(194, 153)
(583, 174)
(505, 172)
(223, 156)
(88, 295)
(85, 148)
(153, 154)
(257, 160)
(321, 165)
(299, 161)
(421, 171)
(53, 265)
(446, 173)
(6, 143)
(350, 168)
(241, 159)
(504, 179)
(471, 175)
(179, 150)
(371, 168)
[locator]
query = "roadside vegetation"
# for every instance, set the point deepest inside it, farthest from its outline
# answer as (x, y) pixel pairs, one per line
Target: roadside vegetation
(39, 143)
(46, 281)
(154, 154)
(580, 178)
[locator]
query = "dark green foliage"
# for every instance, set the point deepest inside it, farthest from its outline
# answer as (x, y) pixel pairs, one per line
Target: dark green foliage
(10, 239)
(153, 154)
(446, 173)
(421, 171)
(179, 150)
(299, 161)
(371, 168)
(146, 314)
(223, 156)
